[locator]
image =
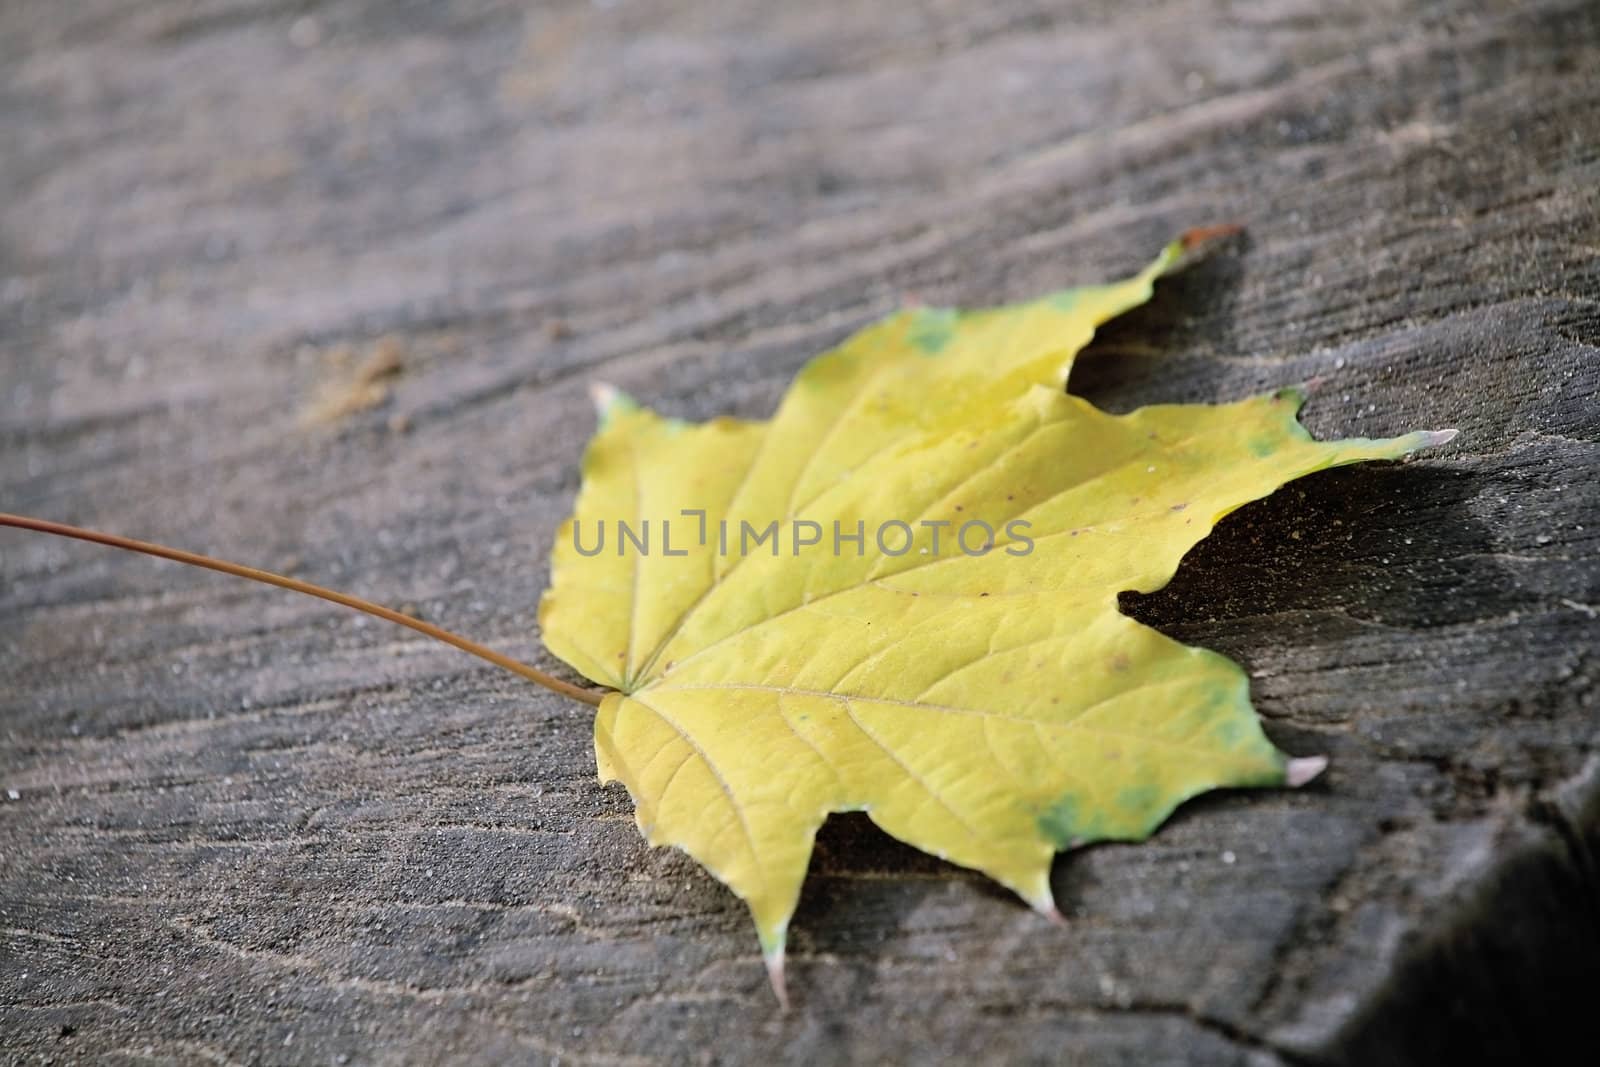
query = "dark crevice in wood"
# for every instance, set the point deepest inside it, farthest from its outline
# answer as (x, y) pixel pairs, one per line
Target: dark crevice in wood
(1507, 972)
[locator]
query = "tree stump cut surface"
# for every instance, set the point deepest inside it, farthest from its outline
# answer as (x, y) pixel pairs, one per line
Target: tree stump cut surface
(322, 287)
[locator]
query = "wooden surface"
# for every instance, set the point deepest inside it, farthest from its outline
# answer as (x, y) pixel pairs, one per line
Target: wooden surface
(244, 827)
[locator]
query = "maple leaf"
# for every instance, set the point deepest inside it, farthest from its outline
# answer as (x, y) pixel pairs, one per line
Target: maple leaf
(930, 633)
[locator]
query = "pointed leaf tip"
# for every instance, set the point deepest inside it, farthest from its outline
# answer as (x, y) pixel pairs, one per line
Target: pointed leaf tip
(1042, 898)
(603, 395)
(1189, 247)
(1435, 438)
(609, 400)
(1300, 771)
(775, 975)
(1192, 239)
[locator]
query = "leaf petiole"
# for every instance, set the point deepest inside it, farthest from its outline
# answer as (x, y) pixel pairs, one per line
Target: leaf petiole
(193, 559)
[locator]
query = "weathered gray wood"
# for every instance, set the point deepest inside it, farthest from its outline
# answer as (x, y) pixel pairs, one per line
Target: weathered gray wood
(250, 828)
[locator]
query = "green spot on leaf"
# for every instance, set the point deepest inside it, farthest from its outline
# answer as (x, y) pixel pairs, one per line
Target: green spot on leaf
(1135, 800)
(932, 328)
(1061, 825)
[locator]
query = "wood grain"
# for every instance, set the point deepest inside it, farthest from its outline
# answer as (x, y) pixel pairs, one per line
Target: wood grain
(247, 828)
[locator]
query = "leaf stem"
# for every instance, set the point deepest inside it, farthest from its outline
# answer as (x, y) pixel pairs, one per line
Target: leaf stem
(533, 674)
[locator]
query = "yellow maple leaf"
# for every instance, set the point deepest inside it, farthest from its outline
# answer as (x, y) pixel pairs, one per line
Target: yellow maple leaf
(899, 596)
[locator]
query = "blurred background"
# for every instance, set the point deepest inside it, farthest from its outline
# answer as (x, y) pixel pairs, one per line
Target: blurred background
(321, 286)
